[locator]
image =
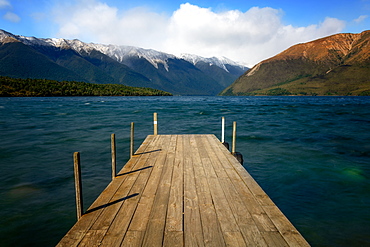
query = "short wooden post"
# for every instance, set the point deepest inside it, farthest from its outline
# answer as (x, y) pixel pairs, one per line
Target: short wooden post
(234, 138)
(237, 155)
(132, 139)
(113, 147)
(155, 123)
(78, 184)
(223, 130)
(223, 134)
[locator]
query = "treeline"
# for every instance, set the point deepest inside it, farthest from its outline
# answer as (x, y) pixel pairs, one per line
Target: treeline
(11, 87)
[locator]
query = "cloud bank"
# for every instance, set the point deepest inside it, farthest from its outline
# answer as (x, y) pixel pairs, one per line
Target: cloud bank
(248, 37)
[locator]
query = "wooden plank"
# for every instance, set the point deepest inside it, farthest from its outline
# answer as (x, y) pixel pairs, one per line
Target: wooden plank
(143, 210)
(119, 226)
(193, 232)
(157, 219)
(248, 179)
(173, 239)
(252, 235)
(91, 238)
(132, 239)
(174, 220)
(250, 216)
(285, 227)
(254, 207)
(212, 230)
(223, 209)
(274, 239)
(230, 183)
(175, 205)
(174, 230)
(234, 239)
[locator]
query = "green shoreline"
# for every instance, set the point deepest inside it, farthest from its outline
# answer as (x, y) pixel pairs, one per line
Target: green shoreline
(15, 87)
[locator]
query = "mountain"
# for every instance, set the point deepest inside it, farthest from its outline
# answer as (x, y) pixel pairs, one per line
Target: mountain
(61, 59)
(334, 65)
(21, 61)
(215, 68)
(178, 75)
(58, 59)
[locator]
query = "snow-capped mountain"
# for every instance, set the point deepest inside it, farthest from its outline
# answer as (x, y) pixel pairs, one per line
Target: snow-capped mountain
(133, 66)
(121, 53)
(218, 61)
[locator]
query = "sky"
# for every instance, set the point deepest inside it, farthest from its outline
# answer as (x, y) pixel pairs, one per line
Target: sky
(246, 31)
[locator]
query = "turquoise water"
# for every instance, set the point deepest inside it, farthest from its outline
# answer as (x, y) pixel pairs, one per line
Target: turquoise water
(310, 154)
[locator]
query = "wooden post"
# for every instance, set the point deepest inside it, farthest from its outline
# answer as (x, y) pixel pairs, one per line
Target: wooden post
(113, 147)
(237, 155)
(78, 184)
(155, 123)
(234, 138)
(223, 130)
(226, 144)
(132, 139)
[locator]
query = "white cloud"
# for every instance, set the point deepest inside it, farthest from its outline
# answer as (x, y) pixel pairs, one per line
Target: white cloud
(99, 22)
(4, 4)
(12, 17)
(9, 16)
(249, 36)
(361, 18)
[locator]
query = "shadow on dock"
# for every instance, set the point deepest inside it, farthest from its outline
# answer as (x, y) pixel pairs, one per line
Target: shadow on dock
(126, 173)
(148, 152)
(111, 203)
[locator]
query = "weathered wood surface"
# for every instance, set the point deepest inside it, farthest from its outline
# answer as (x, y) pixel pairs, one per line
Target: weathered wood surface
(183, 190)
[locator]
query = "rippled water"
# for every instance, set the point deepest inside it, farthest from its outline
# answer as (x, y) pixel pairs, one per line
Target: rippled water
(310, 154)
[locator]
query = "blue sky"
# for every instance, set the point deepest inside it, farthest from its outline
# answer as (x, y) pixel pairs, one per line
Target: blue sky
(247, 31)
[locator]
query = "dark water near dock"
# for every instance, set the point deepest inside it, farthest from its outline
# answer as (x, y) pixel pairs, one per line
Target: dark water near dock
(310, 154)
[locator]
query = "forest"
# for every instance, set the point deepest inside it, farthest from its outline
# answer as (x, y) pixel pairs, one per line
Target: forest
(13, 87)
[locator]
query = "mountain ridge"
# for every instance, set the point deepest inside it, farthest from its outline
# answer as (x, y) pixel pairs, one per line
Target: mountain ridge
(128, 65)
(335, 65)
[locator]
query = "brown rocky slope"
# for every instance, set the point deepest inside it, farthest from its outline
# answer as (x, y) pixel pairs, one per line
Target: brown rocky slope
(334, 65)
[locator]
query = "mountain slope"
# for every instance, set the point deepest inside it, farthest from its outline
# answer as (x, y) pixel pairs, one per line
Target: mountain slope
(335, 65)
(62, 59)
(58, 60)
(178, 75)
(20, 60)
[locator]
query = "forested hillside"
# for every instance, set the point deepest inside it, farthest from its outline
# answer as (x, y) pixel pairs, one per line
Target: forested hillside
(11, 87)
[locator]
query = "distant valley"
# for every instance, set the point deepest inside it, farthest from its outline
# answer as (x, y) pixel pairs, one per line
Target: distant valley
(334, 65)
(74, 60)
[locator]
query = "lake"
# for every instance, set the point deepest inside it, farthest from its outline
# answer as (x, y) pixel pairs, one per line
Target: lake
(310, 154)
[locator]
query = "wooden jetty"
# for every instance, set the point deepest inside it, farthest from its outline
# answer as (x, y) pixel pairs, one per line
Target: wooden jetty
(183, 190)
